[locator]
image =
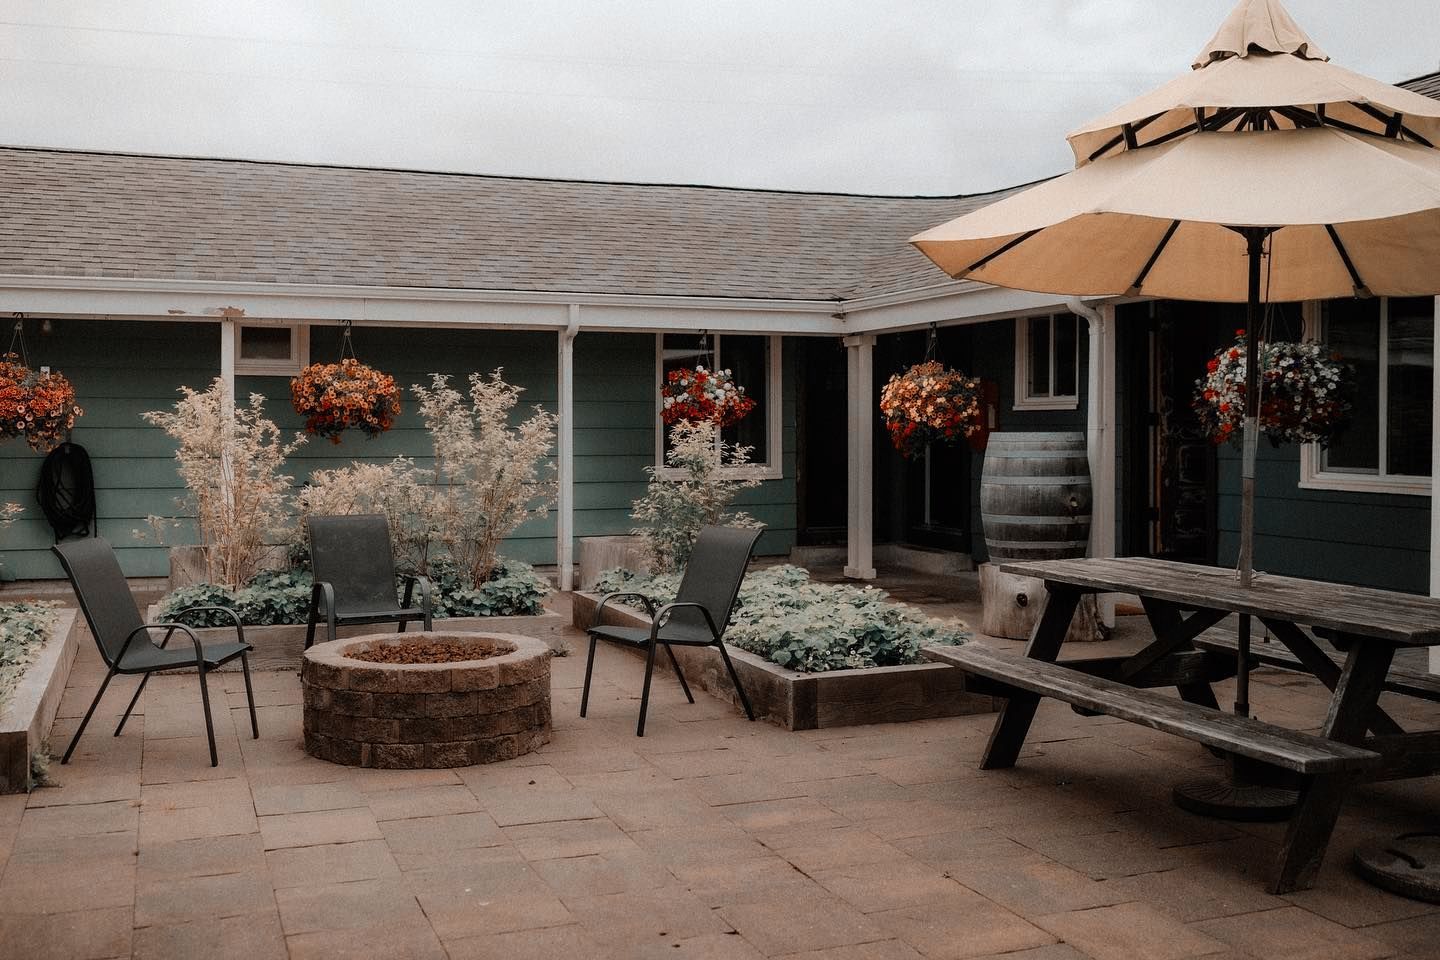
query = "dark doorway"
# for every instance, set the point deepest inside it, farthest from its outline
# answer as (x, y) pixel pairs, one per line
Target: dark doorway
(821, 438)
(1171, 480)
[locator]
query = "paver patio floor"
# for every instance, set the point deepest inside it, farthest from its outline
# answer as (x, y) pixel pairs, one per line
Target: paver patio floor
(711, 837)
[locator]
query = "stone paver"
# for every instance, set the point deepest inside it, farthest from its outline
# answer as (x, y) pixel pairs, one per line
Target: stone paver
(711, 838)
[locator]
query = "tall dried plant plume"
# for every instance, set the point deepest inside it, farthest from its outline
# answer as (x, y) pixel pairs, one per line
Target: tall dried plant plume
(231, 462)
(490, 476)
(690, 492)
(398, 489)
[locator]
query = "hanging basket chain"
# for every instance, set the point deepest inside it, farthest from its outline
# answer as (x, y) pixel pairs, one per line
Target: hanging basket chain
(347, 342)
(17, 339)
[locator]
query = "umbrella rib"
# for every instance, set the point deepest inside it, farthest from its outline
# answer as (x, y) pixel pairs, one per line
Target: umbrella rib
(1126, 135)
(1361, 290)
(1005, 249)
(1150, 264)
(1393, 122)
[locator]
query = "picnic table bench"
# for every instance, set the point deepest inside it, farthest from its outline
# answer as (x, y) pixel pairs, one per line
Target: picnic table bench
(1358, 740)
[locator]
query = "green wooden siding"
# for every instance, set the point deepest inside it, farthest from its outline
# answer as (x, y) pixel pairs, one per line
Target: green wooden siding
(992, 358)
(122, 369)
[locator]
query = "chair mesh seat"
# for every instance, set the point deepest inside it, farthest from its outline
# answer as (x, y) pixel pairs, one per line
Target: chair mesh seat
(180, 653)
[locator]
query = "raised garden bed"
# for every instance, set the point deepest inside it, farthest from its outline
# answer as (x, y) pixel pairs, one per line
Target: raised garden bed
(400, 703)
(281, 647)
(27, 715)
(811, 701)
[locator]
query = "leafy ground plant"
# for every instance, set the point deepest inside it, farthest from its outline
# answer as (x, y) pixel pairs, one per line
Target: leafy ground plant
(276, 597)
(791, 620)
(24, 629)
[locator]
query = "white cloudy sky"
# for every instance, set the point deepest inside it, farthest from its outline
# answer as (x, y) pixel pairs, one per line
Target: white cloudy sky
(906, 96)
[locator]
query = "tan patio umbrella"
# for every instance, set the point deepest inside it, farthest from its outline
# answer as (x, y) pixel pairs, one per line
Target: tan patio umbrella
(1282, 153)
(1265, 148)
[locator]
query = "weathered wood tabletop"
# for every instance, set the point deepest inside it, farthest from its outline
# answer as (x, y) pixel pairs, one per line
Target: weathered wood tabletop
(1399, 618)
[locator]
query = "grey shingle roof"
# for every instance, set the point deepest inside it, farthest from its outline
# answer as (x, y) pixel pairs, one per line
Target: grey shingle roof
(91, 214)
(1428, 85)
(76, 214)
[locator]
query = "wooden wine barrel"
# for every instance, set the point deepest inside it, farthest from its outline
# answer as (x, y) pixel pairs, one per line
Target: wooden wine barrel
(1035, 496)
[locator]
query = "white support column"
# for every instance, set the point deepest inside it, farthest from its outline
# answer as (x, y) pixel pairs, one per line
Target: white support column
(1435, 487)
(859, 400)
(565, 501)
(1100, 429)
(227, 400)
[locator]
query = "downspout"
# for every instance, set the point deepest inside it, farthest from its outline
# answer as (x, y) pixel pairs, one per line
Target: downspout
(565, 499)
(1100, 433)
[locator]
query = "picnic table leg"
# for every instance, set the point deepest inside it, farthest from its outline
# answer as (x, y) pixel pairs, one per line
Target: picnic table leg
(1008, 735)
(1349, 716)
(1165, 621)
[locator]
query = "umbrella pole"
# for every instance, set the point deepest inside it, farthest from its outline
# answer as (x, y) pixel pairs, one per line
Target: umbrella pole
(1255, 248)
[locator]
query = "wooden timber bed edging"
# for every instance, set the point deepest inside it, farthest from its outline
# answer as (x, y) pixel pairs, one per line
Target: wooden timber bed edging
(811, 701)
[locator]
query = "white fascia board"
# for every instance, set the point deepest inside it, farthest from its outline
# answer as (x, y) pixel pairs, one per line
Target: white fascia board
(495, 309)
(947, 305)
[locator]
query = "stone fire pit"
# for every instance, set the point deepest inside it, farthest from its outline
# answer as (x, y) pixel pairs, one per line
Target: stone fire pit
(413, 715)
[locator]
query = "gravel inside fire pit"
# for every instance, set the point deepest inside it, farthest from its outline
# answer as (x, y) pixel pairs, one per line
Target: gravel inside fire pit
(426, 651)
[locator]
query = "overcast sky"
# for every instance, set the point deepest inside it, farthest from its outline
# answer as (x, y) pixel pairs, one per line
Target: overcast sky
(906, 96)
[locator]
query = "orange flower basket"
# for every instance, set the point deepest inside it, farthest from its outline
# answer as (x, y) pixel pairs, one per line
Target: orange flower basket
(37, 406)
(931, 404)
(335, 397)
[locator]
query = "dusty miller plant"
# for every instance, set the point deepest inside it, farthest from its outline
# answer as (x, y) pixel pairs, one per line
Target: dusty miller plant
(398, 489)
(231, 466)
(490, 476)
(677, 505)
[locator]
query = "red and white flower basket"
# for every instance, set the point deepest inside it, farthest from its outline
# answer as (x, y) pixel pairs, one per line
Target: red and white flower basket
(1305, 393)
(40, 407)
(700, 394)
(931, 404)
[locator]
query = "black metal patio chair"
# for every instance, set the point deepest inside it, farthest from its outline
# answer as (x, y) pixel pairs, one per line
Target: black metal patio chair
(124, 639)
(697, 618)
(355, 576)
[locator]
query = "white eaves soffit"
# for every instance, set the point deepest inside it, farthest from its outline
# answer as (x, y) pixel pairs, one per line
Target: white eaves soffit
(944, 303)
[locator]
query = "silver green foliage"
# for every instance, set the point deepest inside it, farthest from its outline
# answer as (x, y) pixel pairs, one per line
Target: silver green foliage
(800, 624)
(24, 629)
(283, 596)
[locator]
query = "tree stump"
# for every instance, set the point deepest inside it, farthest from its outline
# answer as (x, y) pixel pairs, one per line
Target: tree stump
(1011, 606)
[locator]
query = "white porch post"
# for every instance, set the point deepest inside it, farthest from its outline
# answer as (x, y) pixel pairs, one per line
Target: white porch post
(565, 500)
(227, 399)
(859, 398)
(1435, 486)
(1100, 435)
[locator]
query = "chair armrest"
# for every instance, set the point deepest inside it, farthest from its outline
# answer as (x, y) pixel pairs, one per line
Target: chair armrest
(664, 612)
(426, 590)
(649, 604)
(234, 617)
(322, 598)
(170, 629)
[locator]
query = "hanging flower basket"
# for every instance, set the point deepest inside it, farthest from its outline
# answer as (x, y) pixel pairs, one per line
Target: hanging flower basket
(931, 404)
(702, 394)
(1305, 393)
(335, 397)
(37, 406)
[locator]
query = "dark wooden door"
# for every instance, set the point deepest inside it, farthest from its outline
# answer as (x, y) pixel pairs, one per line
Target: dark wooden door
(821, 441)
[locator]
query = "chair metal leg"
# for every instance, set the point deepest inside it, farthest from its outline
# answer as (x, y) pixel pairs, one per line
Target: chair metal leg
(678, 674)
(645, 691)
(310, 632)
(735, 679)
(589, 666)
(93, 704)
(250, 695)
(144, 679)
(403, 625)
(209, 724)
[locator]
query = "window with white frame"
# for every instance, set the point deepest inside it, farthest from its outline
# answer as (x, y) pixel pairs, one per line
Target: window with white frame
(1047, 362)
(754, 362)
(276, 350)
(1386, 446)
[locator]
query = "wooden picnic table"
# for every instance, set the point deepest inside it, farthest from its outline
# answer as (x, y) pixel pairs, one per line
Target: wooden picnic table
(1184, 600)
